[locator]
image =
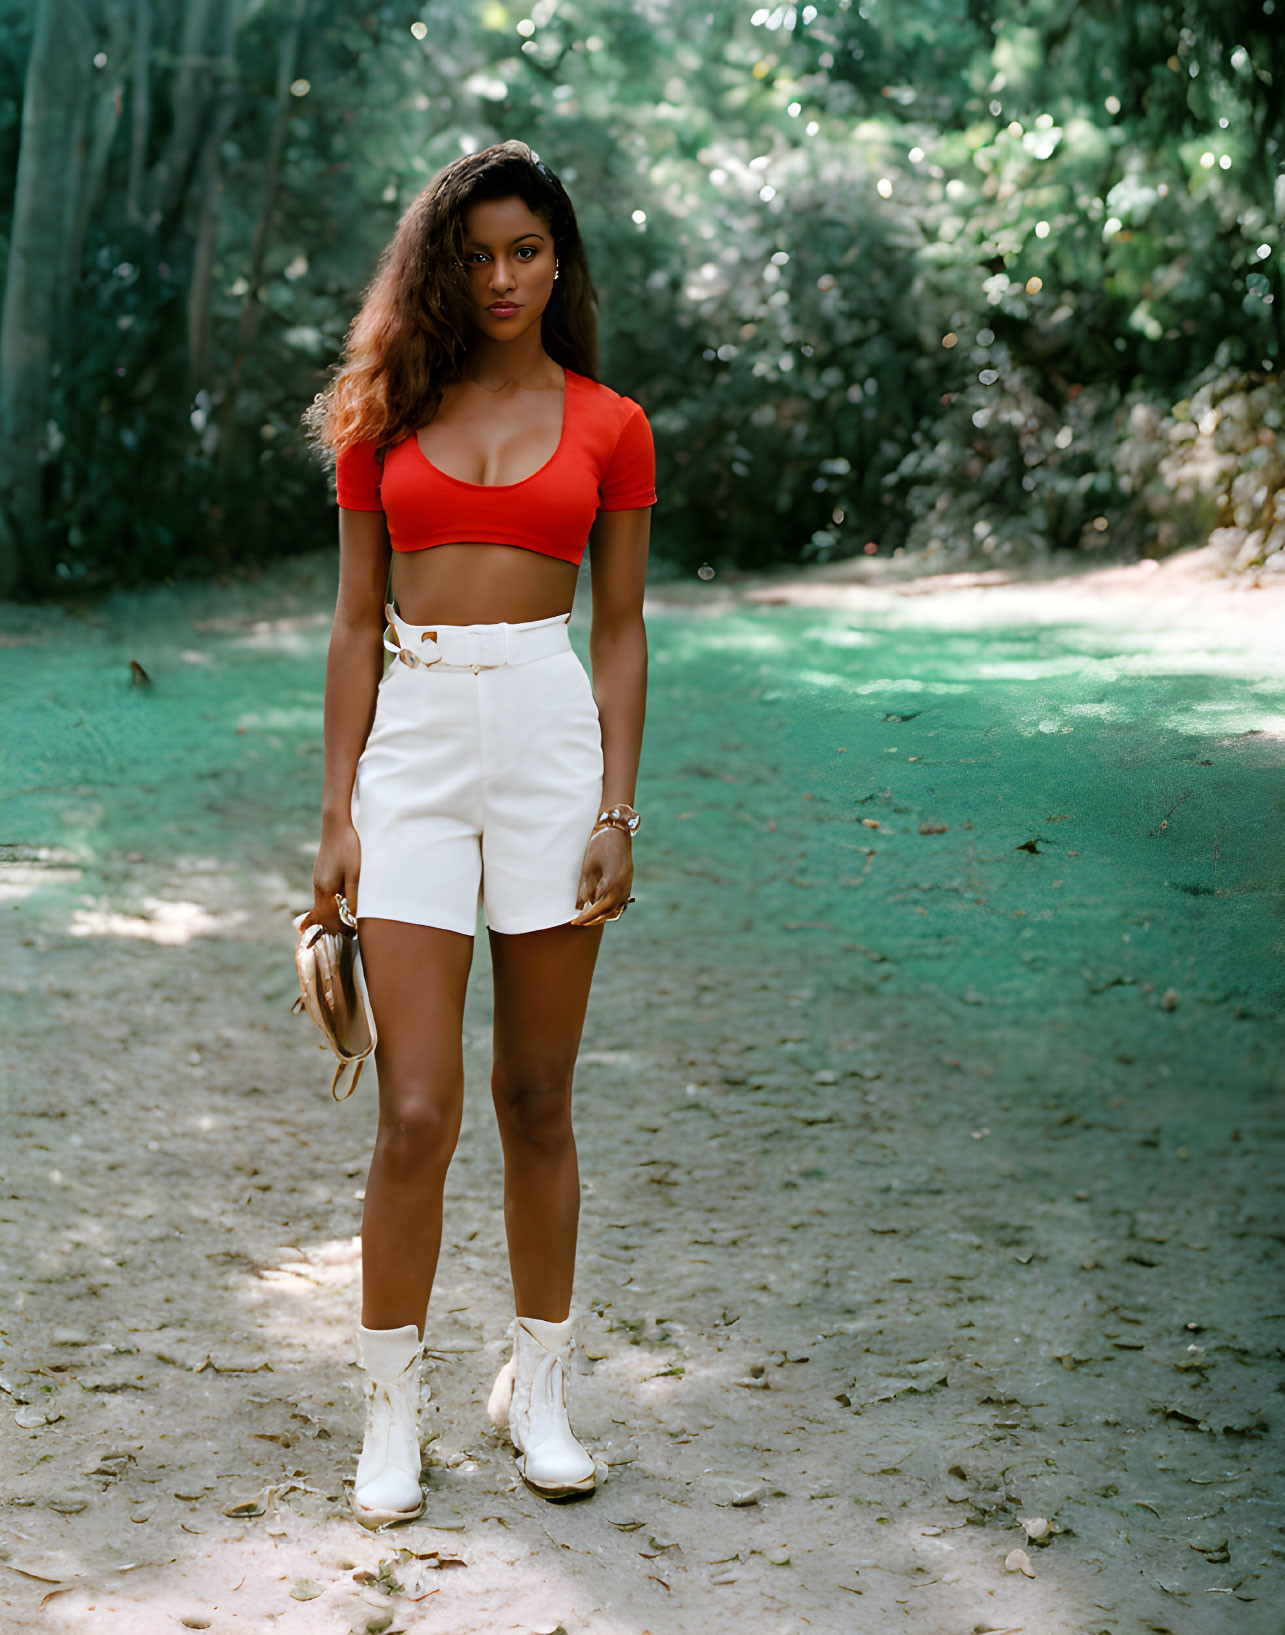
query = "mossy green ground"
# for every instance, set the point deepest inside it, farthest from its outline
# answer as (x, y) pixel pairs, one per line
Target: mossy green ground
(1034, 833)
(935, 1074)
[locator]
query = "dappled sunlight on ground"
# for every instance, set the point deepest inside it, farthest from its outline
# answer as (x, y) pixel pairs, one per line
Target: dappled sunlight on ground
(163, 921)
(295, 1273)
(27, 869)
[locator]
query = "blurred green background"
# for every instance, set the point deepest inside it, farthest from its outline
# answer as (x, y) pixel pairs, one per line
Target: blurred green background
(977, 280)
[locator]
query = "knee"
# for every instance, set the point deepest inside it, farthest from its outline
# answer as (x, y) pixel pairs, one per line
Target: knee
(417, 1136)
(534, 1108)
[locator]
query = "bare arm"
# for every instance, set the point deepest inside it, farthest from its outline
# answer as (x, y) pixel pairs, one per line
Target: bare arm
(618, 546)
(354, 665)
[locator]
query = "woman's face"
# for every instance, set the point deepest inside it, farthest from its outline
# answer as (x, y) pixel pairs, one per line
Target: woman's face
(508, 254)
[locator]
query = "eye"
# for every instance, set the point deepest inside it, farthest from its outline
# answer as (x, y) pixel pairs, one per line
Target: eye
(532, 248)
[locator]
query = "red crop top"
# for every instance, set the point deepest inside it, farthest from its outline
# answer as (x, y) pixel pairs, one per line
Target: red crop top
(604, 461)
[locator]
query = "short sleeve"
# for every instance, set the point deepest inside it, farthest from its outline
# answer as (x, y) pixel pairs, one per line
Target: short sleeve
(357, 478)
(630, 478)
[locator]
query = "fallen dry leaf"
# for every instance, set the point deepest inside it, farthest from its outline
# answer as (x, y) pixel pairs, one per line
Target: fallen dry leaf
(254, 1504)
(409, 1573)
(1215, 1554)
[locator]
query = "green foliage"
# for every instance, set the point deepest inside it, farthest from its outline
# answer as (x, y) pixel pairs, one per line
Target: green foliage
(788, 217)
(1213, 470)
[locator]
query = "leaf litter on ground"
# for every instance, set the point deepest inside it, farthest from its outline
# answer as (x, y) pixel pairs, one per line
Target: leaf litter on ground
(408, 1573)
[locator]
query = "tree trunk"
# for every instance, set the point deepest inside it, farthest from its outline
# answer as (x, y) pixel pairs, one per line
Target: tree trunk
(52, 115)
(207, 190)
(203, 23)
(103, 117)
(140, 108)
(205, 201)
(287, 64)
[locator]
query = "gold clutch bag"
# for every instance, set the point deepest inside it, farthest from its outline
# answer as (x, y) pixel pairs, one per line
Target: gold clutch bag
(333, 992)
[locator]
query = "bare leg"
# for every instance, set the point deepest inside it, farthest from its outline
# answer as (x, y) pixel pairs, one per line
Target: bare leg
(542, 981)
(417, 976)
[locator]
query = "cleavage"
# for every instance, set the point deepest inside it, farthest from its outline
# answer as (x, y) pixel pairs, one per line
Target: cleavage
(470, 453)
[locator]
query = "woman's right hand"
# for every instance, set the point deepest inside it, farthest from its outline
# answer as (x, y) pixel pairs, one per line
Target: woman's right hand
(337, 870)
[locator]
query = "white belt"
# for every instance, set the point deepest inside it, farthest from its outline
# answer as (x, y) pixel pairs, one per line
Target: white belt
(481, 649)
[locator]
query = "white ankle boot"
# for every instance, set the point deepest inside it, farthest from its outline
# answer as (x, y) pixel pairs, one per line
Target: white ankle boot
(529, 1400)
(387, 1484)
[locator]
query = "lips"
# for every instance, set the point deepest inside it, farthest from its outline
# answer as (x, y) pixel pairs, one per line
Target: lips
(503, 307)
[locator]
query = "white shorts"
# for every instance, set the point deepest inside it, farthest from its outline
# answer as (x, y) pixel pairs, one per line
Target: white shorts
(481, 779)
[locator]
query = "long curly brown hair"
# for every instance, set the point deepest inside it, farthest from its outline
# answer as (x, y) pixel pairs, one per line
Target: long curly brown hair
(410, 337)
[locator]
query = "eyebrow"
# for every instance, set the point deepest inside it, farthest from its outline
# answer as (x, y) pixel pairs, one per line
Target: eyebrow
(520, 236)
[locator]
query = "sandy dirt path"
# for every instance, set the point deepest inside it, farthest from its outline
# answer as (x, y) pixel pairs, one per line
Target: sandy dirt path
(931, 1197)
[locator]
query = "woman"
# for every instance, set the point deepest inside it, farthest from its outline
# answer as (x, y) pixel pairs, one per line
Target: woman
(476, 457)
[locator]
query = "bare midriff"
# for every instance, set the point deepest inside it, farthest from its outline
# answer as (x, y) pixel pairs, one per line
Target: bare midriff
(481, 583)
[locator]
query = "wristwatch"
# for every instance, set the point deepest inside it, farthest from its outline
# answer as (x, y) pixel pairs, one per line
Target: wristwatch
(619, 817)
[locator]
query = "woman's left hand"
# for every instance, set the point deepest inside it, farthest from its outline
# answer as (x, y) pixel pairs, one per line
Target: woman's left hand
(606, 878)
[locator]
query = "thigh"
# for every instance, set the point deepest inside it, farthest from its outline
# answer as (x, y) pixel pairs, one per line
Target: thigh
(542, 981)
(417, 976)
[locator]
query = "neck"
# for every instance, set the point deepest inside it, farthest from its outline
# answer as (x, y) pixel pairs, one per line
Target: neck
(498, 366)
